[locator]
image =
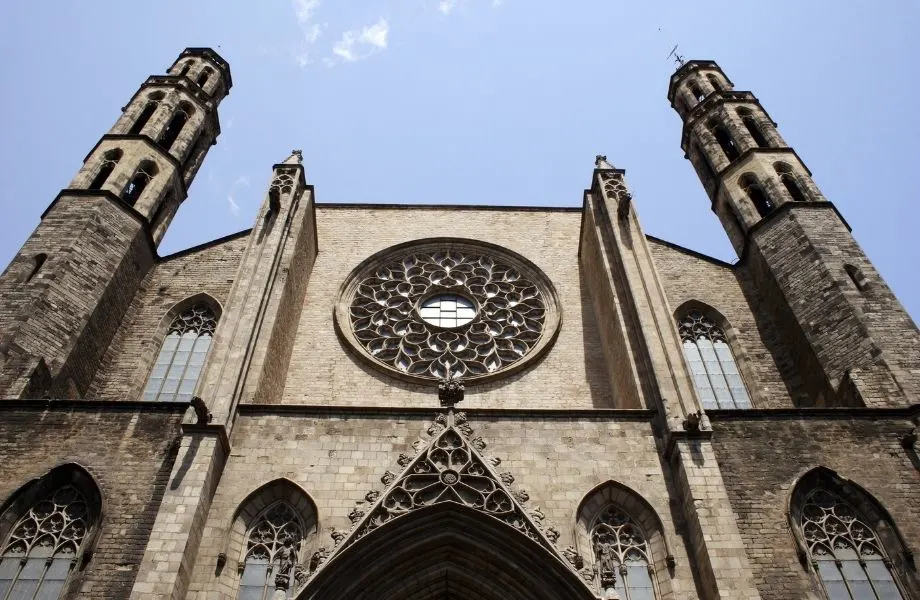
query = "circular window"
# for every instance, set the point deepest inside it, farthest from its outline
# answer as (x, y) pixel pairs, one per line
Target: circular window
(447, 310)
(428, 309)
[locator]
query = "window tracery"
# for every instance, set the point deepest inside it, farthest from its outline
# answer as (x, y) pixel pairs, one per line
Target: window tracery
(385, 314)
(272, 550)
(845, 551)
(622, 555)
(44, 545)
(712, 365)
(178, 366)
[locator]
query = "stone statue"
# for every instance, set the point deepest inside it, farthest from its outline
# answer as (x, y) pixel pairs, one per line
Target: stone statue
(287, 559)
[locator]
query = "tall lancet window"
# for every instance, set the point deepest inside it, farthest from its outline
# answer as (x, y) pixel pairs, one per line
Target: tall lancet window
(44, 545)
(271, 554)
(182, 355)
(712, 365)
(845, 551)
(622, 555)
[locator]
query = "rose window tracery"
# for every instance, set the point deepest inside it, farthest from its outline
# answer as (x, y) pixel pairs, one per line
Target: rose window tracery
(442, 310)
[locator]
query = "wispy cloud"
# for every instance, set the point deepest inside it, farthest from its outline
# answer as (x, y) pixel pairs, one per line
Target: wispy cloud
(359, 44)
(242, 181)
(304, 12)
(447, 6)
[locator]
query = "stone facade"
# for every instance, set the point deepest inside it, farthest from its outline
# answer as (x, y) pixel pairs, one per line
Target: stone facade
(311, 460)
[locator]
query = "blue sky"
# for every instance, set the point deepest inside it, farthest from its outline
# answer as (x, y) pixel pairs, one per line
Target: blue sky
(475, 101)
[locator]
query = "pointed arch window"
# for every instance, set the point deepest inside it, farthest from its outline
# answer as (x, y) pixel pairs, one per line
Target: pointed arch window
(138, 183)
(756, 195)
(753, 128)
(712, 364)
(44, 545)
(790, 181)
(845, 552)
(178, 366)
(272, 549)
(724, 139)
(153, 101)
(109, 162)
(175, 125)
(714, 82)
(622, 555)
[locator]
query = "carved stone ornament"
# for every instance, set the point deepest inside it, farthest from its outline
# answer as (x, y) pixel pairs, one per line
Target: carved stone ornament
(403, 460)
(372, 496)
(319, 557)
(355, 515)
(388, 478)
(449, 470)
(450, 390)
(512, 311)
(507, 478)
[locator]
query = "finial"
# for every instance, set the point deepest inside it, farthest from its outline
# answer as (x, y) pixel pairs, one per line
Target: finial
(296, 158)
(601, 162)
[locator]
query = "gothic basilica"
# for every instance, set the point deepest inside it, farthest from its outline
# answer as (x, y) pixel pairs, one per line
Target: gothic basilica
(548, 404)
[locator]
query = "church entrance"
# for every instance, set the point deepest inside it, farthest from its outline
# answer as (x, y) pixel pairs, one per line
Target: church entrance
(445, 552)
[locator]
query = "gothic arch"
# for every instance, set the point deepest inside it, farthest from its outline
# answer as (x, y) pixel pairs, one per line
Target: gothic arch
(254, 505)
(614, 493)
(446, 551)
(868, 508)
(742, 360)
(31, 493)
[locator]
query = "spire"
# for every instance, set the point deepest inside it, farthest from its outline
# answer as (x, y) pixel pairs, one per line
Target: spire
(601, 162)
(296, 158)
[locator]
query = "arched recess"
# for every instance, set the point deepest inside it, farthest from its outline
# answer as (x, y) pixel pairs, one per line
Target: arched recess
(65, 505)
(254, 506)
(158, 338)
(614, 494)
(445, 552)
(741, 358)
(893, 546)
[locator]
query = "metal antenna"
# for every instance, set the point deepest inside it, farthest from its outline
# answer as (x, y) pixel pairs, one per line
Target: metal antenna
(680, 60)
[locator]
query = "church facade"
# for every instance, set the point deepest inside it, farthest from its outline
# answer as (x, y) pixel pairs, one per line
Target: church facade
(537, 403)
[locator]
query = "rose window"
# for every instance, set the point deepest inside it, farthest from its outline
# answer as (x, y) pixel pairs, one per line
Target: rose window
(434, 309)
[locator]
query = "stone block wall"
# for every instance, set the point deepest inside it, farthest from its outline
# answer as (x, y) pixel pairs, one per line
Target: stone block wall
(128, 450)
(761, 458)
(338, 457)
(204, 270)
(323, 370)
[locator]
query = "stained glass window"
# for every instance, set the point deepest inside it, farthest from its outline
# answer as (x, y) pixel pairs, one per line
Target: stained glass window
(845, 551)
(271, 553)
(622, 555)
(712, 365)
(178, 366)
(43, 548)
(448, 310)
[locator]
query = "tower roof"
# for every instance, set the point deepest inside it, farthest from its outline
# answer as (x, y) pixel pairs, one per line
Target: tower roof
(687, 68)
(216, 58)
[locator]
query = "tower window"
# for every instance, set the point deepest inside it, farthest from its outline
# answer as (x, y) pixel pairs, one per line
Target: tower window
(750, 123)
(151, 106)
(109, 162)
(711, 362)
(756, 195)
(724, 139)
(139, 182)
(857, 276)
(697, 92)
(845, 551)
(178, 366)
(38, 261)
(714, 82)
(175, 125)
(790, 181)
(622, 555)
(205, 75)
(185, 68)
(708, 172)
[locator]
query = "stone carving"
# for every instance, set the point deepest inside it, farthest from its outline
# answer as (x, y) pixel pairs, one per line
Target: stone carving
(450, 390)
(479, 444)
(372, 496)
(552, 534)
(283, 183)
(435, 429)
(449, 470)
(510, 320)
(338, 535)
(403, 460)
(574, 558)
(537, 515)
(388, 478)
(419, 445)
(830, 526)
(355, 515)
(507, 478)
(319, 557)
(462, 425)
(522, 496)
(496, 461)
(287, 559)
(617, 540)
(276, 538)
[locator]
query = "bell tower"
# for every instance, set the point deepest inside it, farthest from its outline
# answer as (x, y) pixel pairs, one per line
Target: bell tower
(65, 292)
(855, 343)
